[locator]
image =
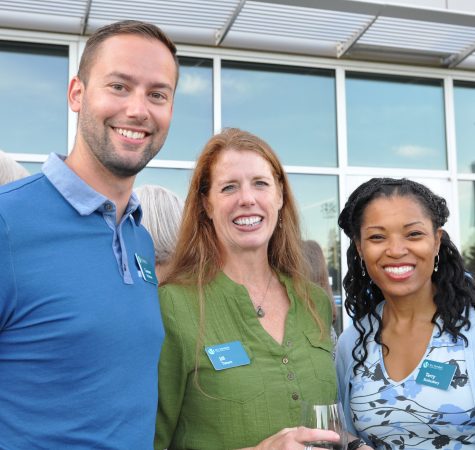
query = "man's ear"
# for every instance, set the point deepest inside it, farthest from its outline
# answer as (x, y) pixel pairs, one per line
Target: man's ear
(75, 93)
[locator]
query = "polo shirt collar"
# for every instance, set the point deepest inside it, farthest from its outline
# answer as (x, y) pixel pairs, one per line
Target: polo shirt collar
(82, 197)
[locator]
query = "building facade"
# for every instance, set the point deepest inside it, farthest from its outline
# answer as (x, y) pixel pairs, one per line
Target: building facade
(343, 90)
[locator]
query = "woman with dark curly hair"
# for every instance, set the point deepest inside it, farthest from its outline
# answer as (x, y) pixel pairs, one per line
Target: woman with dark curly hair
(406, 367)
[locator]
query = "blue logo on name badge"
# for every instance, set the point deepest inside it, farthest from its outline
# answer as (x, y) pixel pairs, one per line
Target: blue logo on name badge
(436, 374)
(146, 269)
(228, 355)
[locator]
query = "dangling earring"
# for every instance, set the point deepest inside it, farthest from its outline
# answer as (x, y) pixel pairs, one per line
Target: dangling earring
(436, 263)
(363, 272)
(280, 221)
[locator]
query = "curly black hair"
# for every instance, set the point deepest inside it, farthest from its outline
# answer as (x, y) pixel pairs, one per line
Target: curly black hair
(455, 289)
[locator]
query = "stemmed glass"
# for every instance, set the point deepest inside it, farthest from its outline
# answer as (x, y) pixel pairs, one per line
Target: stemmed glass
(325, 417)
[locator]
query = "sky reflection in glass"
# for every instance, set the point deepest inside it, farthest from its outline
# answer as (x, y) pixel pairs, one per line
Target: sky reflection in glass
(176, 180)
(192, 122)
(464, 99)
(33, 103)
(293, 109)
(317, 201)
(395, 122)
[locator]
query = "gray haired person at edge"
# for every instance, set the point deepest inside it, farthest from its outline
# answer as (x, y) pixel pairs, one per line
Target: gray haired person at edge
(80, 324)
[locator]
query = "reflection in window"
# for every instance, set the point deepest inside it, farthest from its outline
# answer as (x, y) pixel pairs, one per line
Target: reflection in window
(33, 103)
(32, 167)
(464, 99)
(293, 109)
(467, 222)
(395, 122)
(192, 122)
(176, 180)
(317, 200)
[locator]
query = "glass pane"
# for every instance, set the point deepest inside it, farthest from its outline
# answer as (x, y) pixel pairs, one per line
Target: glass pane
(317, 200)
(464, 99)
(467, 222)
(395, 122)
(32, 167)
(176, 180)
(33, 103)
(293, 109)
(192, 122)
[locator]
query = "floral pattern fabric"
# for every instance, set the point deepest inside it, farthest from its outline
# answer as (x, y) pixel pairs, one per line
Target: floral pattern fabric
(406, 415)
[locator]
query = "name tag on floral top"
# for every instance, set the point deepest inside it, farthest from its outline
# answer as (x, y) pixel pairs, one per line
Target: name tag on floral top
(228, 355)
(436, 374)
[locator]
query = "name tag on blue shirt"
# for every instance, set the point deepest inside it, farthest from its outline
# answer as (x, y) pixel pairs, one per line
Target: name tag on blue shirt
(225, 356)
(436, 374)
(146, 269)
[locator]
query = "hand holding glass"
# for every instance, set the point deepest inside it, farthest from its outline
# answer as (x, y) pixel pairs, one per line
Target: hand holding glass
(325, 417)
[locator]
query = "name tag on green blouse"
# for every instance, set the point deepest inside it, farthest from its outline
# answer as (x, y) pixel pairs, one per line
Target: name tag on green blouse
(436, 374)
(146, 269)
(228, 355)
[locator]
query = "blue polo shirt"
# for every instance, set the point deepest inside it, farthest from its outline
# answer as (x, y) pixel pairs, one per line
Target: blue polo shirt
(80, 329)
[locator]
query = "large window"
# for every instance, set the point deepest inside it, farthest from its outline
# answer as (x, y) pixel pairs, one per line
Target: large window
(467, 222)
(395, 122)
(464, 99)
(293, 109)
(317, 201)
(33, 102)
(176, 180)
(192, 122)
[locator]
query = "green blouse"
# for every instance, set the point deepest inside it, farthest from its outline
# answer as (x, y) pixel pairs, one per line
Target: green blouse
(238, 407)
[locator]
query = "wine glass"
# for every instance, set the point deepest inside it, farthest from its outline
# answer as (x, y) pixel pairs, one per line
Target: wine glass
(325, 417)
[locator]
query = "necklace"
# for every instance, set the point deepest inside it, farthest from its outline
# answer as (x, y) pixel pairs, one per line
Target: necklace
(259, 309)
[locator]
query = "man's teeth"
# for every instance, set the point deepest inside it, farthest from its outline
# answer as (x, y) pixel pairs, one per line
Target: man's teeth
(130, 134)
(399, 270)
(248, 221)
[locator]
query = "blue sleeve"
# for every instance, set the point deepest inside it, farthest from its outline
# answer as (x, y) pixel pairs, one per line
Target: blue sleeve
(344, 364)
(8, 292)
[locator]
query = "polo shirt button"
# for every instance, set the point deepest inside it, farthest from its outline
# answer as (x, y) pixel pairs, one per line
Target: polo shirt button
(288, 343)
(290, 376)
(285, 360)
(295, 396)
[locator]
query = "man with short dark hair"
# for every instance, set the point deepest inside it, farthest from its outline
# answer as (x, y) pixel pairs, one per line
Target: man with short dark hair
(80, 325)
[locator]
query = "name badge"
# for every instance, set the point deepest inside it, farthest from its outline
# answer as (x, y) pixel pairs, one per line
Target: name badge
(146, 269)
(436, 374)
(228, 355)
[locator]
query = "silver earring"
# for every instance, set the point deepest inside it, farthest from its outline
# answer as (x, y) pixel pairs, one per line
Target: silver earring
(363, 272)
(436, 263)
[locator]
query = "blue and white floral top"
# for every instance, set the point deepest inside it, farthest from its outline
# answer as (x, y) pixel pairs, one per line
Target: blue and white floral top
(407, 415)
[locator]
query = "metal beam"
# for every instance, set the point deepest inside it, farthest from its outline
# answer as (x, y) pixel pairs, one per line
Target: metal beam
(86, 17)
(454, 60)
(343, 48)
(221, 34)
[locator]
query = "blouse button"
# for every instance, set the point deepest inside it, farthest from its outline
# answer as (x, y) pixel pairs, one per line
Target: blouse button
(295, 396)
(290, 376)
(285, 360)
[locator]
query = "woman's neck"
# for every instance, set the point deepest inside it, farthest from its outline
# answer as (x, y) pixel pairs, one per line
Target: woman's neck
(247, 269)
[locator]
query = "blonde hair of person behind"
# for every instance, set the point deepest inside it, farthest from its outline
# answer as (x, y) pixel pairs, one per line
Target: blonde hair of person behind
(10, 170)
(197, 258)
(162, 212)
